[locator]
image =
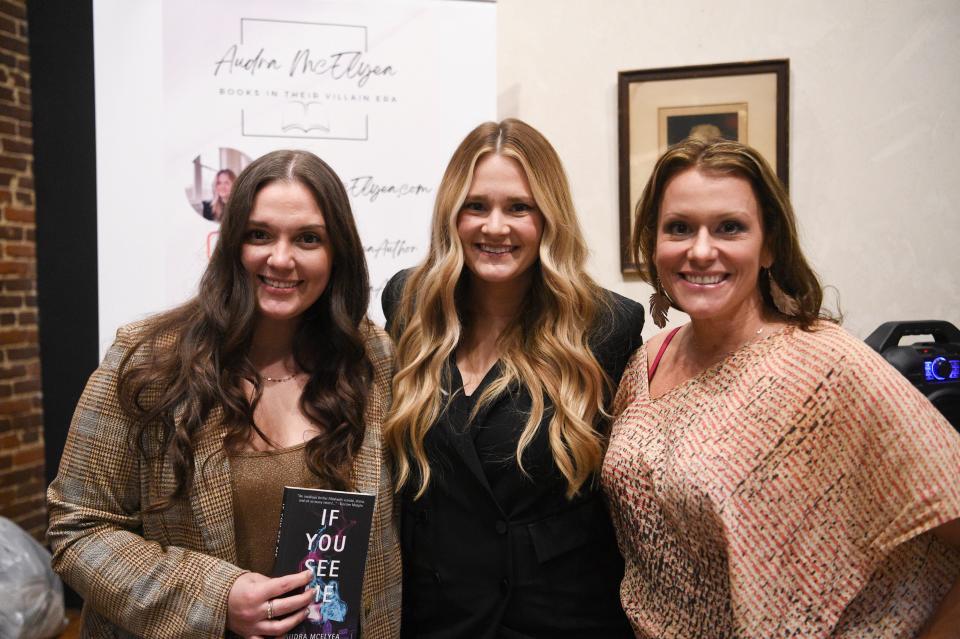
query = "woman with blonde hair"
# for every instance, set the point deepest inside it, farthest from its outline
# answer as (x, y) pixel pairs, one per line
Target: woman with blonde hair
(507, 354)
(769, 475)
(214, 208)
(165, 510)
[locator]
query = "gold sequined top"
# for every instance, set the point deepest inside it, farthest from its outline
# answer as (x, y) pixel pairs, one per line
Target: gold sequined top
(258, 481)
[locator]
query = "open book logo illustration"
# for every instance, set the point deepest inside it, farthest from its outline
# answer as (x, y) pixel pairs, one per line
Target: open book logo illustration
(305, 117)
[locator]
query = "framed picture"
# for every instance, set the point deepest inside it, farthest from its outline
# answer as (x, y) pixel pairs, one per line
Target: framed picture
(742, 101)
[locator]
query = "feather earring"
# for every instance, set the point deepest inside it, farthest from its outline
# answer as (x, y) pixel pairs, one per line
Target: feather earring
(659, 305)
(784, 302)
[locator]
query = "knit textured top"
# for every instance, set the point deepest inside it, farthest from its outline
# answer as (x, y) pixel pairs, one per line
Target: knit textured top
(258, 478)
(787, 491)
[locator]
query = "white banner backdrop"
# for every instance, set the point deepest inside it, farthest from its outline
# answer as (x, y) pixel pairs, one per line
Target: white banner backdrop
(383, 90)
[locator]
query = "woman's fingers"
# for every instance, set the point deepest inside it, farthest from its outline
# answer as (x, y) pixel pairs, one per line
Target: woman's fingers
(282, 585)
(255, 597)
(280, 627)
(283, 606)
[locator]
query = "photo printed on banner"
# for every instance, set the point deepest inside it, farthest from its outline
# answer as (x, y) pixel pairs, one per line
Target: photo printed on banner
(377, 89)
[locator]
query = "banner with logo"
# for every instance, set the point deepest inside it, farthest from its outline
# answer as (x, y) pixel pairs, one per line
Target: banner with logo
(188, 93)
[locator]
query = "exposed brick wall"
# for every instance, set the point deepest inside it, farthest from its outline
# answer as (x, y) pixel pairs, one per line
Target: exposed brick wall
(21, 415)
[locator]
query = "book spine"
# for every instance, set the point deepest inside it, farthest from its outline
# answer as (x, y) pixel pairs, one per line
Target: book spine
(276, 547)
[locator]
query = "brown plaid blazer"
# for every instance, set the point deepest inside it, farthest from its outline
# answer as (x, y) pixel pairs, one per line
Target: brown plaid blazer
(168, 574)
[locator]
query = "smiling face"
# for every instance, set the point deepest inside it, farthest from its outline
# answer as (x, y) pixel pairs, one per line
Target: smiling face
(499, 224)
(710, 246)
(223, 185)
(286, 251)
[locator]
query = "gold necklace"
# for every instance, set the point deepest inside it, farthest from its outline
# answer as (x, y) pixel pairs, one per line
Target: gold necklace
(278, 380)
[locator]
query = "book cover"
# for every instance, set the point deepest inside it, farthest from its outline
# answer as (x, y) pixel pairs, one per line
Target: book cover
(328, 532)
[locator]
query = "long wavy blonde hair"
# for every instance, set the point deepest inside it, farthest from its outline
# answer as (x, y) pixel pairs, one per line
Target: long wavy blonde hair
(547, 348)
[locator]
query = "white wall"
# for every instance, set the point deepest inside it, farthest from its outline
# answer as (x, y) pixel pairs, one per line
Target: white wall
(874, 130)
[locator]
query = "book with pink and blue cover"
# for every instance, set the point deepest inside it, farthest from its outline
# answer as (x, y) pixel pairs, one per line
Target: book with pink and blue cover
(327, 531)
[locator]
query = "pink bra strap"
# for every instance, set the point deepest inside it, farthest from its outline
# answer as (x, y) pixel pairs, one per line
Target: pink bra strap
(663, 348)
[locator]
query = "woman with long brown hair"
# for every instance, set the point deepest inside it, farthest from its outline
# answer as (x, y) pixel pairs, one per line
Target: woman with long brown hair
(507, 354)
(165, 510)
(769, 475)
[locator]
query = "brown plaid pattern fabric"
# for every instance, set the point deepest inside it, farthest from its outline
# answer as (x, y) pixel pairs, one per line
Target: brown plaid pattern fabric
(168, 574)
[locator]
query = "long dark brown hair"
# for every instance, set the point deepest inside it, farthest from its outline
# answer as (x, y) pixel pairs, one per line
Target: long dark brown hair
(193, 359)
(790, 269)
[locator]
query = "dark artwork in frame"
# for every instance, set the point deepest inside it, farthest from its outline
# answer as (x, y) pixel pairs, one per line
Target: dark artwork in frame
(704, 125)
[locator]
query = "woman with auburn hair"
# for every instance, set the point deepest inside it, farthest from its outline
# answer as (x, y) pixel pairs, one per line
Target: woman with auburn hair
(507, 354)
(165, 511)
(222, 186)
(769, 475)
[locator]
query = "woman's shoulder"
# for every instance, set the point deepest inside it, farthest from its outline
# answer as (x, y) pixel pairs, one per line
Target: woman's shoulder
(392, 292)
(132, 331)
(655, 343)
(829, 355)
(616, 333)
(141, 338)
(379, 346)
(622, 308)
(398, 279)
(620, 320)
(826, 343)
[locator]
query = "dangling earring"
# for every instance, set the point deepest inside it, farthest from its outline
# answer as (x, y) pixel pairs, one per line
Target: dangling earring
(784, 303)
(659, 305)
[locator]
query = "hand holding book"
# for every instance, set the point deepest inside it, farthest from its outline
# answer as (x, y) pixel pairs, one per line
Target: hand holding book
(327, 532)
(257, 607)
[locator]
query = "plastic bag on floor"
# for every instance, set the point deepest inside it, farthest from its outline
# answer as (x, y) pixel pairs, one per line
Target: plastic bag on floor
(31, 603)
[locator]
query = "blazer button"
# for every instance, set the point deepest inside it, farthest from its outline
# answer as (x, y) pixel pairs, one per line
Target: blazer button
(422, 516)
(501, 527)
(436, 578)
(505, 586)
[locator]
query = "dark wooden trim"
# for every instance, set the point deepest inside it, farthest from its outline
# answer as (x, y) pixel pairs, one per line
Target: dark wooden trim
(626, 206)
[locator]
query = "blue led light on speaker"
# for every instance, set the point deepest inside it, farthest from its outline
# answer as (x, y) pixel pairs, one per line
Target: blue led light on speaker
(932, 368)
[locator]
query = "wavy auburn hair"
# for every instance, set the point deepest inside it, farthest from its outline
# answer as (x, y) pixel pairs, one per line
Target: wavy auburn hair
(192, 360)
(790, 269)
(546, 349)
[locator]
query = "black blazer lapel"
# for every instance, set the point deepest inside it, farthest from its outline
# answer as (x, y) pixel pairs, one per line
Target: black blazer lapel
(454, 422)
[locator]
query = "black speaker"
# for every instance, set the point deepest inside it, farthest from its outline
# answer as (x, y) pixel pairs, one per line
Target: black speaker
(933, 367)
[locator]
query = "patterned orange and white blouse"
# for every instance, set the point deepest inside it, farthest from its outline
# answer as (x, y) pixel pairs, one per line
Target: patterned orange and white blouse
(787, 491)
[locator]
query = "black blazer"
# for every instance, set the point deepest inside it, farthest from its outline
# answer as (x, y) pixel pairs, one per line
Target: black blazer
(489, 552)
